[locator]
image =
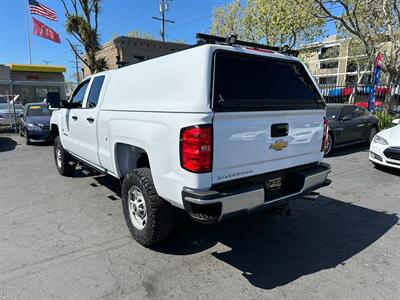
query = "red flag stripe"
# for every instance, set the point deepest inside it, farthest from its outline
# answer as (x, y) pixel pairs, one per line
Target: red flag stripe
(39, 12)
(49, 10)
(42, 12)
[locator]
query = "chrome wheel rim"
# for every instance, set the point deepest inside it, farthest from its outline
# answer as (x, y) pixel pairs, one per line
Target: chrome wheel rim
(328, 145)
(137, 208)
(372, 134)
(58, 157)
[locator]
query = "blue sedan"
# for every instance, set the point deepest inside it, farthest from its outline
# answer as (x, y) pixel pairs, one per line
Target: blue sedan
(34, 123)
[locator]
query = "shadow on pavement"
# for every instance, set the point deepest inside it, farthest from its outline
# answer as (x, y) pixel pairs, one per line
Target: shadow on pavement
(346, 150)
(389, 170)
(7, 144)
(274, 251)
(111, 183)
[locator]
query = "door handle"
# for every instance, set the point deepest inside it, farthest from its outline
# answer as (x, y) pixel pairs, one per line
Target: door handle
(74, 118)
(90, 119)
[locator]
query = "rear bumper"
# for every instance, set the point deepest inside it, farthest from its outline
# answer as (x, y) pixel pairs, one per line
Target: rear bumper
(248, 195)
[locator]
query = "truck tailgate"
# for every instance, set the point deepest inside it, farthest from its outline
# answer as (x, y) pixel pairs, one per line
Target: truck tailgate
(251, 143)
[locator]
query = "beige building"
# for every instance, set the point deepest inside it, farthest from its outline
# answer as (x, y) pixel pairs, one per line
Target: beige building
(124, 50)
(329, 62)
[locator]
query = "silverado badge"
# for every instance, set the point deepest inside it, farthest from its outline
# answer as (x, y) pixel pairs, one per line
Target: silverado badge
(278, 145)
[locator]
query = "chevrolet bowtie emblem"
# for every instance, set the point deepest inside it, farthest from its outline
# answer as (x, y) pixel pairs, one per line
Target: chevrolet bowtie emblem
(278, 145)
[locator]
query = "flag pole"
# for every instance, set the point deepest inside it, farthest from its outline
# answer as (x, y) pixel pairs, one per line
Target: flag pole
(28, 36)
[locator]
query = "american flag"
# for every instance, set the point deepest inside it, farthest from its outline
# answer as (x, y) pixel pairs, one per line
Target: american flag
(39, 9)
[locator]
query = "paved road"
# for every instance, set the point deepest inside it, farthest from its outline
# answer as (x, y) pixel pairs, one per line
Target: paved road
(65, 238)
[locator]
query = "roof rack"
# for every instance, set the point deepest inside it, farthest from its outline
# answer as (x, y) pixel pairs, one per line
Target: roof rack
(232, 40)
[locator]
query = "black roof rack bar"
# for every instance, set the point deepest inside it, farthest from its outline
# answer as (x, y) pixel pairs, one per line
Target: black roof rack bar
(203, 38)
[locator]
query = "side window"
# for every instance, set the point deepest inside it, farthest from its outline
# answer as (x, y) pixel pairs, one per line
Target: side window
(94, 92)
(360, 112)
(79, 94)
(347, 110)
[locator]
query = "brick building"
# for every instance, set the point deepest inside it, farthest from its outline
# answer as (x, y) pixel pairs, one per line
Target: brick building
(125, 50)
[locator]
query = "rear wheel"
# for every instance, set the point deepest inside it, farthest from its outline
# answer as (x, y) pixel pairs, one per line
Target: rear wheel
(65, 163)
(150, 219)
(329, 144)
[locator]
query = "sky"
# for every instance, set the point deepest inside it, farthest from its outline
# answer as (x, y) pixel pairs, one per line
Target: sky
(117, 17)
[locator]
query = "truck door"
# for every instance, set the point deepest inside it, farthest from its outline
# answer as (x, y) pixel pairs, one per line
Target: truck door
(88, 149)
(71, 118)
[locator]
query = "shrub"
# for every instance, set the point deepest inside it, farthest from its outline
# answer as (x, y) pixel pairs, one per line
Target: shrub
(385, 120)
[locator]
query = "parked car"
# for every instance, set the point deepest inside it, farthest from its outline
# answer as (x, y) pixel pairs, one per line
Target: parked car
(7, 115)
(385, 147)
(34, 122)
(218, 130)
(348, 125)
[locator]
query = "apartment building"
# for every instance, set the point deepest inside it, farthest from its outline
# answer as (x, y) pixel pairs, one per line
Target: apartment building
(329, 62)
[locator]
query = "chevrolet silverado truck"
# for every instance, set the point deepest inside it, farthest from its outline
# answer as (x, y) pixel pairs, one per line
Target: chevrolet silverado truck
(219, 129)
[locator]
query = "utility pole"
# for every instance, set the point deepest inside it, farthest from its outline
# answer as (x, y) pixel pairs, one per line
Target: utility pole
(164, 7)
(76, 64)
(46, 61)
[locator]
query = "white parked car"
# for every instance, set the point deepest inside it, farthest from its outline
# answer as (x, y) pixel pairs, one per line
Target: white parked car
(216, 130)
(385, 147)
(7, 115)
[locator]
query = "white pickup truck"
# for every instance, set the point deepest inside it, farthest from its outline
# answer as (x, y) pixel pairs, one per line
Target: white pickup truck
(217, 129)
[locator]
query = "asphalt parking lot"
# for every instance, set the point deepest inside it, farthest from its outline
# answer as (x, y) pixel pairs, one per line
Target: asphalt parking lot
(65, 238)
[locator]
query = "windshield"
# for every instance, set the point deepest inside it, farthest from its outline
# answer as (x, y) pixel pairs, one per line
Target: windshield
(254, 82)
(38, 111)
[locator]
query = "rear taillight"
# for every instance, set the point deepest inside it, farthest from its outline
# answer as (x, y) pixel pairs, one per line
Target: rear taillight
(325, 135)
(196, 148)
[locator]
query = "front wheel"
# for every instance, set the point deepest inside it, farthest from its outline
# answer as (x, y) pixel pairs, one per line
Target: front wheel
(27, 140)
(65, 163)
(150, 219)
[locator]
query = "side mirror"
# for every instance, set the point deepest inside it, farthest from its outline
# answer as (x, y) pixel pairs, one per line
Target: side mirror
(348, 117)
(396, 121)
(53, 100)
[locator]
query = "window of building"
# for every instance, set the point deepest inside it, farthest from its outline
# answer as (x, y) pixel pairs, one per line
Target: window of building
(351, 67)
(328, 80)
(351, 79)
(328, 52)
(329, 65)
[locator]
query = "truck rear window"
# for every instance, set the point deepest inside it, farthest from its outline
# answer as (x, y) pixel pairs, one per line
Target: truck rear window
(253, 82)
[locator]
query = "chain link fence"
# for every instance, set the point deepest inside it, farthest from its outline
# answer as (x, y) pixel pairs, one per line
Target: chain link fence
(387, 97)
(15, 94)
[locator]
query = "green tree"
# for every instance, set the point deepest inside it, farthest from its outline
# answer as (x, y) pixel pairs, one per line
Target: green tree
(82, 24)
(269, 21)
(371, 27)
(141, 35)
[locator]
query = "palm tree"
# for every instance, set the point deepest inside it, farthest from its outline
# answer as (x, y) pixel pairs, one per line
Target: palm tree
(82, 24)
